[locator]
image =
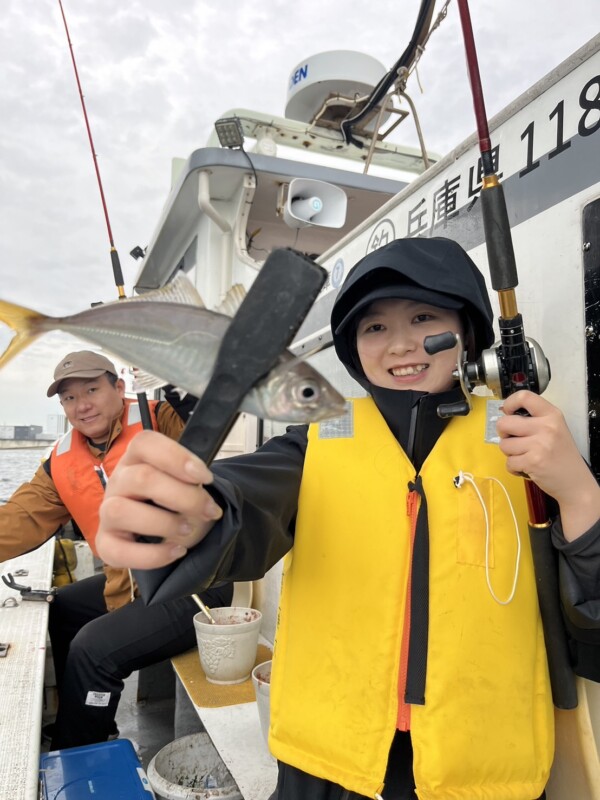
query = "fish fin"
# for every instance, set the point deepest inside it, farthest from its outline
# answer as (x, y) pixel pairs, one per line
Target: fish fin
(233, 300)
(179, 290)
(23, 321)
(145, 382)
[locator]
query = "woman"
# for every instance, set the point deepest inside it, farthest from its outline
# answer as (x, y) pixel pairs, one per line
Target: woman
(409, 648)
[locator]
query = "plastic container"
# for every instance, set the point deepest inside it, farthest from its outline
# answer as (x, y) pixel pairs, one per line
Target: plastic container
(190, 768)
(105, 771)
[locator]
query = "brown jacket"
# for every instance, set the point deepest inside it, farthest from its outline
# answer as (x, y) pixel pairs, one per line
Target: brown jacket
(35, 512)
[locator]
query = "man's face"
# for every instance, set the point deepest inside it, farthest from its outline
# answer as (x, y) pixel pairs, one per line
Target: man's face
(92, 405)
(389, 340)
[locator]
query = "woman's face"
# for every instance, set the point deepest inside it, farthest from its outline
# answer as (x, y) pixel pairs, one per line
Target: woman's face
(389, 340)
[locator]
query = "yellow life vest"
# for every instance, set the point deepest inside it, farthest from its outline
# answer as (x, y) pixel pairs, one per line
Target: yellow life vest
(486, 730)
(74, 469)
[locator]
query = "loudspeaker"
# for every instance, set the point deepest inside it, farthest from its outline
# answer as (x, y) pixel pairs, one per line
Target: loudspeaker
(314, 203)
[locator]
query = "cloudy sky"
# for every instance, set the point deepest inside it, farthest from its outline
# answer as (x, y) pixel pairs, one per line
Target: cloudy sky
(156, 75)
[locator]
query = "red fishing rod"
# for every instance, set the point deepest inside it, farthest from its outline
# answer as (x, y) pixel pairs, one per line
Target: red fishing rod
(519, 364)
(114, 255)
(116, 264)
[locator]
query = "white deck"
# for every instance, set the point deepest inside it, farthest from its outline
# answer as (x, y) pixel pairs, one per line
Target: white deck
(24, 627)
(236, 734)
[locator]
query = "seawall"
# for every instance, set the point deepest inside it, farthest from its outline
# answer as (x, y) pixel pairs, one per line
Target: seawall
(21, 444)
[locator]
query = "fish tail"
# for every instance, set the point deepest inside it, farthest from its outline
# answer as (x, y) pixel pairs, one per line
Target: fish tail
(23, 321)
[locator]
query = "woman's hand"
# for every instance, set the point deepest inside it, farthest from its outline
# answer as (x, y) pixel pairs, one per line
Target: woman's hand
(541, 446)
(155, 468)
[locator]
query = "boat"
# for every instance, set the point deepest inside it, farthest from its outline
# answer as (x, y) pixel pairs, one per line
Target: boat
(264, 181)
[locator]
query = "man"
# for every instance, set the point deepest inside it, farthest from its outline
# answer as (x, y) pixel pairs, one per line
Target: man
(94, 650)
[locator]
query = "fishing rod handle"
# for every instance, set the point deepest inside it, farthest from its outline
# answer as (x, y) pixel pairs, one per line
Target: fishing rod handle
(116, 266)
(536, 504)
(498, 239)
(562, 677)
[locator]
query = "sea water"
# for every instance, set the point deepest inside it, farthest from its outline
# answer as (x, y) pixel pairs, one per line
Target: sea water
(17, 467)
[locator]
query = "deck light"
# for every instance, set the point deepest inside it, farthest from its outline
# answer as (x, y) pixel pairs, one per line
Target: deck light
(230, 133)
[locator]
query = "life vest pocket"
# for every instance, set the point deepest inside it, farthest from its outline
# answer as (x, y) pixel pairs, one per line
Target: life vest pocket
(470, 535)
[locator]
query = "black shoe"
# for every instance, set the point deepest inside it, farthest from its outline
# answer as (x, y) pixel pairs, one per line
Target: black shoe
(48, 732)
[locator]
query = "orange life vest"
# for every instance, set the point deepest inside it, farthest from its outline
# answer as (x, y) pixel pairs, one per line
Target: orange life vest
(79, 475)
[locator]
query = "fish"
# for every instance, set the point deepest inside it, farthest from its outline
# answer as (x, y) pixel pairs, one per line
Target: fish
(171, 337)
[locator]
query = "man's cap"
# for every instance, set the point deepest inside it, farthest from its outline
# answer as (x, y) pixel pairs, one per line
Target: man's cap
(401, 291)
(82, 364)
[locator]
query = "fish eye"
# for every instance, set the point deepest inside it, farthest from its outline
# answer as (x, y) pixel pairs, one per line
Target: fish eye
(307, 392)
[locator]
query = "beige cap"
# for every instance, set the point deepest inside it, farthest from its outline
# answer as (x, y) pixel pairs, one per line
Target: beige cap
(82, 364)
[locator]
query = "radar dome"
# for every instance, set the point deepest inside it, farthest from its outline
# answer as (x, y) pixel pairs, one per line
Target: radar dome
(324, 76)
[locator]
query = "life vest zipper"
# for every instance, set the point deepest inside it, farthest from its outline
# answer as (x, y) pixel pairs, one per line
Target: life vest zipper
(403, 719)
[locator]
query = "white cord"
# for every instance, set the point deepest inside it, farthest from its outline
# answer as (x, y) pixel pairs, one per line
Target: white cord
(458, 482)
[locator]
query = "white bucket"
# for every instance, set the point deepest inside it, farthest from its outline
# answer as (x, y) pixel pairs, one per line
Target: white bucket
(261, 680)
(190, 768)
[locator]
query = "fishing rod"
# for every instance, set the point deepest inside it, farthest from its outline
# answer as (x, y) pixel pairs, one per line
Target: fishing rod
(114, 255)
(517, 362)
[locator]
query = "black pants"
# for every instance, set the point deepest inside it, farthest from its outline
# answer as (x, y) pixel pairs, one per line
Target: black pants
(94, 651)
(293, 784)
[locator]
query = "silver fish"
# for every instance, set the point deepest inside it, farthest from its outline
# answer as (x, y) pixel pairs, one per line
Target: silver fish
(169, 335)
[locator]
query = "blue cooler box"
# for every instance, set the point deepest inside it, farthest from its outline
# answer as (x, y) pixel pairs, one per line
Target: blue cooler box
(106, 771)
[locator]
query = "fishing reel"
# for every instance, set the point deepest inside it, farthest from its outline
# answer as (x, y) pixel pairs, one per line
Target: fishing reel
(515, 362)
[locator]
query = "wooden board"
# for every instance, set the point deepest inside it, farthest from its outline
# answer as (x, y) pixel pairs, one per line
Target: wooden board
(212, 695)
